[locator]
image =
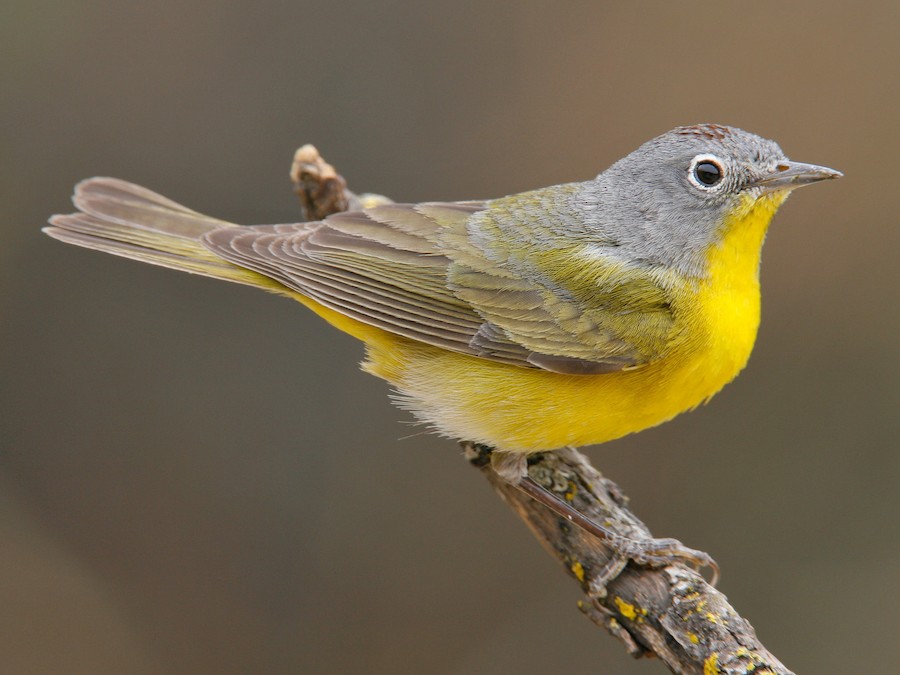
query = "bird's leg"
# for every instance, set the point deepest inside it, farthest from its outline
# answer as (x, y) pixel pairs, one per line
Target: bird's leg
(513, 468)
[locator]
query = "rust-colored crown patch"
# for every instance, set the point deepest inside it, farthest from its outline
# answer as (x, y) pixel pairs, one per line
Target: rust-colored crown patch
(713, 131)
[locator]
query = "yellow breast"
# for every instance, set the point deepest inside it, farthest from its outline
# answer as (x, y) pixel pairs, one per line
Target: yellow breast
(529, 410)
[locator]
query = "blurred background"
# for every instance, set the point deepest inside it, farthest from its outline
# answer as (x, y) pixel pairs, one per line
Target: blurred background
(194, 476)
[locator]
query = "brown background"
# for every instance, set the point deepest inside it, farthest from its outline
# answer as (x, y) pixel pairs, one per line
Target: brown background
(194, 478)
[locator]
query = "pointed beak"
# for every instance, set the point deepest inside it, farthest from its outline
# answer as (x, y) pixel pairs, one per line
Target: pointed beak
(789, 175)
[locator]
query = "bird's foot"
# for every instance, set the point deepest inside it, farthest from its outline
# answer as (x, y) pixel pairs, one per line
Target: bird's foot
(513, 468)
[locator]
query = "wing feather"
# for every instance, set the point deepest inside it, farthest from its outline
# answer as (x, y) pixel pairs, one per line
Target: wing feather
(418, 271)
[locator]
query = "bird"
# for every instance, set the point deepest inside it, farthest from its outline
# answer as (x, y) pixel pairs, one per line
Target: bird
(568, 315)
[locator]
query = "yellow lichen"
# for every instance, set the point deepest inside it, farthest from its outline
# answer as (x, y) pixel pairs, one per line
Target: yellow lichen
(630, 611)
(715, 618)
(578, 570)
(711, 665)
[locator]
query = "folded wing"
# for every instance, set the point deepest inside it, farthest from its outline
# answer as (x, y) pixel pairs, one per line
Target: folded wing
(412, 270)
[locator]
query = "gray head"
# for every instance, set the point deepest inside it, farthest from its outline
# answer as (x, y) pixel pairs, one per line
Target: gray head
(667, 201)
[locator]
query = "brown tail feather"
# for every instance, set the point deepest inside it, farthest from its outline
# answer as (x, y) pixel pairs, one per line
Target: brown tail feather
(127, 220)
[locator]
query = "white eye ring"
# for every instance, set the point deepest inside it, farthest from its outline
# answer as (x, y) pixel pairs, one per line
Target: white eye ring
(706, 172)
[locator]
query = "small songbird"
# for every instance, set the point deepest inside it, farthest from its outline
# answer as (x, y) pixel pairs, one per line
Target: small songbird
(568, 315)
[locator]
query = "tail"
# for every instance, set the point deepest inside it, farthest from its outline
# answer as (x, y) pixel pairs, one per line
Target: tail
(127, 220)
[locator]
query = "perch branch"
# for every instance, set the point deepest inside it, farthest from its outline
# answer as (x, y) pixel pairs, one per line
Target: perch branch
(669, 612)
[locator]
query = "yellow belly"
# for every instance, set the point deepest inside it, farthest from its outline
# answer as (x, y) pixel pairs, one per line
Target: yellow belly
(529, 410)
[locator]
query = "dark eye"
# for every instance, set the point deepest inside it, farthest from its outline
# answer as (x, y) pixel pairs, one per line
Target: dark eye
(707, 173)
